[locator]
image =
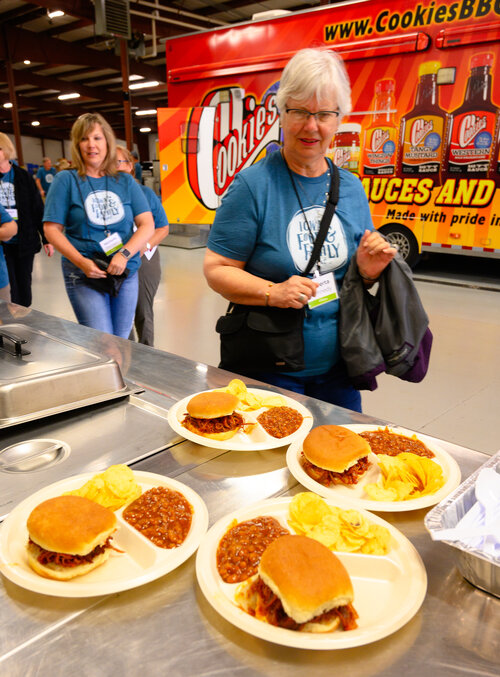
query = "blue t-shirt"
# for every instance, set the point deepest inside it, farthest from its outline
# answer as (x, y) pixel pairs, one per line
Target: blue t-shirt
(260, 221)
(111, 203)
(138, 171)
(46, 177)
(5, 217)
(8, 196)
(156, 207)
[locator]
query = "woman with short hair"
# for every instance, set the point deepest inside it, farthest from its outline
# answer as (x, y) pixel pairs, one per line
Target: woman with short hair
(264, 230)
(21, 198)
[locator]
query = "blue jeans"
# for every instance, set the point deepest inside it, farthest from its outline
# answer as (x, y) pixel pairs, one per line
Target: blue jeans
(332, 387)
(114, 315)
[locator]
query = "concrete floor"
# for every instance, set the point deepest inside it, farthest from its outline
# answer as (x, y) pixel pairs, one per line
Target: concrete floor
(458, 400)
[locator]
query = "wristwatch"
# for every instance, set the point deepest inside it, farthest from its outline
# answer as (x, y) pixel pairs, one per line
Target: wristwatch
(124, 252)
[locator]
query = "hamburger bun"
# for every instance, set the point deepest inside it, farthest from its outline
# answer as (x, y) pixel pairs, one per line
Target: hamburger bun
(212, 405)
(308, 579)
(68, 525)
(335, 448)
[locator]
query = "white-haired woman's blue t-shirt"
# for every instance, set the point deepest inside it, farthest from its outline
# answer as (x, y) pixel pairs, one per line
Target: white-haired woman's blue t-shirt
(92, 208)
(260, 221)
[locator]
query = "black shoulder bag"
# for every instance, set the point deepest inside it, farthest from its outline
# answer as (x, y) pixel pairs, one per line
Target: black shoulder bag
(266, 338)
(111, 283)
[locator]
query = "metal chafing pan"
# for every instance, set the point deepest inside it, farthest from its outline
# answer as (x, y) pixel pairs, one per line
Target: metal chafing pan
(478, 567)
(42, 375)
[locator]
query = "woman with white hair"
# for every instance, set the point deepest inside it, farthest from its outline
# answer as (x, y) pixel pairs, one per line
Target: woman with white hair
(263, 233)
(19, 195)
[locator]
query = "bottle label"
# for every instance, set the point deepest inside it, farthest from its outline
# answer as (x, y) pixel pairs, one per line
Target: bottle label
(422, 144)
(347, 157)
(471, 139)
(379, 151)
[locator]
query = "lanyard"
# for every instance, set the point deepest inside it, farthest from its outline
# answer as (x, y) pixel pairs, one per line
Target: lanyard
(302, 208)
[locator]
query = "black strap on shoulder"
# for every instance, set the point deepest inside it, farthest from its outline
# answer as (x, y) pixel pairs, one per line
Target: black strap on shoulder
(333, 198)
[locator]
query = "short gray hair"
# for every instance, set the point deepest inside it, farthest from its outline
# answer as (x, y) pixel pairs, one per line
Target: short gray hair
(315, 73)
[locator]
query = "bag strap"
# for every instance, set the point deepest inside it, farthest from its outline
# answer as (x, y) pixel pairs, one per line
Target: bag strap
(333, 198)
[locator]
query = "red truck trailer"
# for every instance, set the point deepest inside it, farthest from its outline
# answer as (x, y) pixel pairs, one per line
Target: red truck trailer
(423, 136)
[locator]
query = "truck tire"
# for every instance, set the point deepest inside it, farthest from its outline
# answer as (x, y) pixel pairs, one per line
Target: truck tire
(404, 239)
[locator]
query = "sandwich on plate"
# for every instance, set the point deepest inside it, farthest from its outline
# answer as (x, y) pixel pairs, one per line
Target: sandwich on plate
(332, 454)
(300, 585)
(212, 415)
(69, 536)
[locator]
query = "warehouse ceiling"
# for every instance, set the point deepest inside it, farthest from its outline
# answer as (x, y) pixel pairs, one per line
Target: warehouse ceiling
(43, 57)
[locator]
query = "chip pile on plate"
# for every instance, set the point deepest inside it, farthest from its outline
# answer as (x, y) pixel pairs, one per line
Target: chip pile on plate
(112, 488)
(343, 530)
(405, 477)
(250, 401)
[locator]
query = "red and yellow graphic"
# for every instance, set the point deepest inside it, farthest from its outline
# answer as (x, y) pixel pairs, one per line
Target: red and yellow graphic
(423, 135)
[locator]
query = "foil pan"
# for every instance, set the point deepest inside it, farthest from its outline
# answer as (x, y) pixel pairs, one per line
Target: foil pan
(476, 566)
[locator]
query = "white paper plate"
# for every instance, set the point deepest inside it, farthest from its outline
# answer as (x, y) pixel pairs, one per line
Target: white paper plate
(141, 562)
(355, 494)
(257, 440)
(388, 590)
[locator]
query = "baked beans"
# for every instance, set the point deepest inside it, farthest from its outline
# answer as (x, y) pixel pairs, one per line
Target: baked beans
(386, 442)
(162, 515)
(280, 421)
(240, 549)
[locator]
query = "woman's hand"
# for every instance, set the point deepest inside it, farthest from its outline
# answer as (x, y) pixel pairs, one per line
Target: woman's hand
(117, 264)
(91, 269)
(373, 254)
(292, 293)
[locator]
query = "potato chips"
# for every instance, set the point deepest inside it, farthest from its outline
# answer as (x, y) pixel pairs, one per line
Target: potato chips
(339, 529)
(405, 477)
(249, 401)
(112, 488)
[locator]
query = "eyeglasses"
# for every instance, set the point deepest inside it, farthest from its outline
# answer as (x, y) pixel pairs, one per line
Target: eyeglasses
(322, 117)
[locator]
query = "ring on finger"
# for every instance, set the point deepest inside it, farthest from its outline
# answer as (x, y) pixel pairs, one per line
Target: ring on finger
(302, 298)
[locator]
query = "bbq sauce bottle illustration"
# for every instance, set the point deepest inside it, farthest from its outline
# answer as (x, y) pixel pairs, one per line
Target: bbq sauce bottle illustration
(421, 130)
(471, 127)
(380, 137)
(494, 170)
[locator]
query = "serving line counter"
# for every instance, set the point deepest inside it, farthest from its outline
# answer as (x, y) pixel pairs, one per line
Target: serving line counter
(167, 626)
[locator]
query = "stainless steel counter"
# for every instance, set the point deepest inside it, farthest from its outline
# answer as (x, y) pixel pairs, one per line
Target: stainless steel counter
(167, 627)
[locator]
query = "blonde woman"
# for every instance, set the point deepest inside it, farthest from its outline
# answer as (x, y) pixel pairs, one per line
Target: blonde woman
(19, 195)
(89, 216)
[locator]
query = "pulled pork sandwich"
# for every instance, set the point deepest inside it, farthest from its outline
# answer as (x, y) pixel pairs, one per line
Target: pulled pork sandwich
(332, 454)
(300, 585)
(212, 415)
(69, 536)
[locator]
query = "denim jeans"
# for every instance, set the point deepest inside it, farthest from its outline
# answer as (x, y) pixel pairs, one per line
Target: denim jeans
(332, 387)
(114, 315)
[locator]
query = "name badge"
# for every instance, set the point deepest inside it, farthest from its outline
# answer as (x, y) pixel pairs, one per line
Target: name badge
(12, 213)
(326, 291)
(111, 244)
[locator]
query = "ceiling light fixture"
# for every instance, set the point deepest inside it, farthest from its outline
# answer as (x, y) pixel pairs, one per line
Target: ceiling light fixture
(151, 111)
(72, 95)
(144, 84)
(53, 14)
(135, 77)
(35, 123)
(145, 129)
(8, 104)
(27, 62)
